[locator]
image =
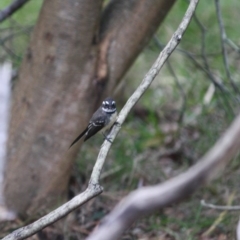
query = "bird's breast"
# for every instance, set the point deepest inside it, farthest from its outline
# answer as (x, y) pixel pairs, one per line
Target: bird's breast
(110, 122)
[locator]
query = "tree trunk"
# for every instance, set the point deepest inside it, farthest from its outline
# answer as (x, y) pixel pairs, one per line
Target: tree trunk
(74, 58)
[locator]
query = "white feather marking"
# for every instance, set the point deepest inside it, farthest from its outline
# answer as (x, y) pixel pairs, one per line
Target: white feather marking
(109, 110)
(112, 121)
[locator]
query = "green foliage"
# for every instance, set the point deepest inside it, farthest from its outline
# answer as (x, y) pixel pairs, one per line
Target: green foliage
(15, 31)
(27, 15)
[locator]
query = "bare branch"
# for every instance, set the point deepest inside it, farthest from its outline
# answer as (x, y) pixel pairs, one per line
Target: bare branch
(177, 82)
(3, 41)
(146, 82)
(232, 45)
(217, 207)
(203, 52)
(12, 8)
(225, 92)
(24, 232)
(219, 219)
(217, 83)
(216, 80)
(224, 51)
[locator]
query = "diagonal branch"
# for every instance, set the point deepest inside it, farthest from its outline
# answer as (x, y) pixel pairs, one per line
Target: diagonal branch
(29, 230)
(12, 8)
(146, 82)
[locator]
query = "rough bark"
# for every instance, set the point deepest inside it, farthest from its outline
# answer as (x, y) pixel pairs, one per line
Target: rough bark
(64, 74)
(51, 92)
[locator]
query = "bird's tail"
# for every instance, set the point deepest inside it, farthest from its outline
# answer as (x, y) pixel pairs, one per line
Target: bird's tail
(79, 137)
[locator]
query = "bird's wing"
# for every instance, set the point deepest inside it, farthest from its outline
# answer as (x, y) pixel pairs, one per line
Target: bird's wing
(94, 126)
(79, 136)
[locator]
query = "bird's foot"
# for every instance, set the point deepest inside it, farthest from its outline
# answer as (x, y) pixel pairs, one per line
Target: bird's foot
(117, 124)
(107, 138)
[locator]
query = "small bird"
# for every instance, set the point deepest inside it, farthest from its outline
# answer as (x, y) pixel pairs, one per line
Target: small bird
(102, 120)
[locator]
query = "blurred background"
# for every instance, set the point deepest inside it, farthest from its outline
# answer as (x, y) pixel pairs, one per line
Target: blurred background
(190, 104)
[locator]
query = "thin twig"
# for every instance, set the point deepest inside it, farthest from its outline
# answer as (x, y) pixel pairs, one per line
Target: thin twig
(177, 82)
(216, 82)
(25, 30)
(203, 53)
(207, 66)
(203, 41)
(191, 56)
(232, 45)
(218, 207)
(220, 218)
(12, 8)
(223, 36)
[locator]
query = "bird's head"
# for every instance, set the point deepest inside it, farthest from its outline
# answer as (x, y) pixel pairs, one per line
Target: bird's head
(109, 105)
